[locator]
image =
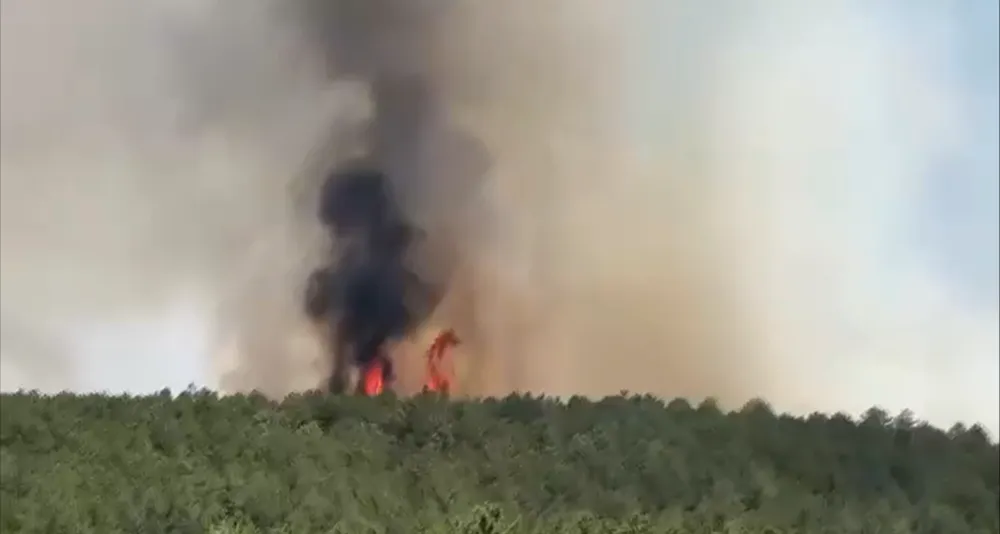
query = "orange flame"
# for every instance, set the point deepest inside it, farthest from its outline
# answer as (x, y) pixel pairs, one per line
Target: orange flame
(374, 378)
(439, 373)
(440, 369)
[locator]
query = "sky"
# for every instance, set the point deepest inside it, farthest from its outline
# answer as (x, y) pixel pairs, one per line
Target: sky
(875, 131)
(897, 192)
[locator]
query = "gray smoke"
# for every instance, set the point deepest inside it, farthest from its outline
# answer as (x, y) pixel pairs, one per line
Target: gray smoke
(674, 222)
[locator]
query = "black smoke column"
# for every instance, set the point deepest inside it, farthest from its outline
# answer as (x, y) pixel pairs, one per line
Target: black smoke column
(367, 291)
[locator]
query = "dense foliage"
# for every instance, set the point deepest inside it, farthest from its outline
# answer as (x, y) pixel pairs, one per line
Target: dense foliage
(315, 464)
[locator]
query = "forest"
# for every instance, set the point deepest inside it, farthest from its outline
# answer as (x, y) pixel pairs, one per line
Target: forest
(198, 462)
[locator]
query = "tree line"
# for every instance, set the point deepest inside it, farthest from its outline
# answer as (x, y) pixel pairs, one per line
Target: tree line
(198, 462)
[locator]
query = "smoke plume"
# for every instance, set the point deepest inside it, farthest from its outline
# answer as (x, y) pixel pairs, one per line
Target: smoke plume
(501, 256)
(584, 235)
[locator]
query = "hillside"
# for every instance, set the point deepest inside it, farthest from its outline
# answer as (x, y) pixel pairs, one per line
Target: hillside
(200, 463)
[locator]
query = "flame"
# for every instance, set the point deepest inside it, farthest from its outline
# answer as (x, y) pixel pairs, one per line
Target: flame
(440, 369)
(440, 372)
(373, 380)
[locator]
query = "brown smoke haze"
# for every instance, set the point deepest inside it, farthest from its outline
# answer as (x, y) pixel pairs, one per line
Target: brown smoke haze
(166, 155)
(555, 284)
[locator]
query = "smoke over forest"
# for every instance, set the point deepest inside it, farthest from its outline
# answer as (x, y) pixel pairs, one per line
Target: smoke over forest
(168, 158)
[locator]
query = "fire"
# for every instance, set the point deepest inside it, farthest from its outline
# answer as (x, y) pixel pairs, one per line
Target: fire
(440, 374)
(374, 378)
(440, 368)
